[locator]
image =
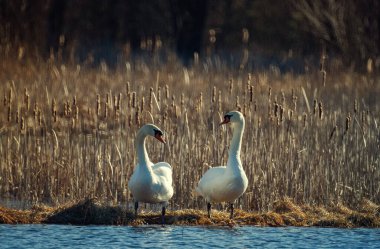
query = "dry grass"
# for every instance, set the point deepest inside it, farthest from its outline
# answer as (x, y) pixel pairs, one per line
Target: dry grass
(67, 133)
(286, 213)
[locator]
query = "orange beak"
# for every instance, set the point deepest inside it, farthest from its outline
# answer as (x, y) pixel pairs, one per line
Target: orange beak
(160, 138)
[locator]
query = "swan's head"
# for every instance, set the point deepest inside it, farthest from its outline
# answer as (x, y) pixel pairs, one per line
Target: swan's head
(233, 117)
(154, 131)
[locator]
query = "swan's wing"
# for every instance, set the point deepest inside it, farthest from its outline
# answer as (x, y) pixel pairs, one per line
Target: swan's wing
(163, 170)
(210, 180)
(164, 186)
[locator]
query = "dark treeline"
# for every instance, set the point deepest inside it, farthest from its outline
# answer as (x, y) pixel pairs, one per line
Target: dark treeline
(348, 29)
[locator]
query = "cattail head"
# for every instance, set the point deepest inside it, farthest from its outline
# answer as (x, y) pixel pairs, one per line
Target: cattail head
(348, 122)
(39, 118)
(355, 106)
(97, 104)
(269, 92)
(137, 116)
(200, 101)
(231, 85)
(182, 100)
(9, 113)
(295, 103)
(115, 102)
(26, 99)
(159, 94)
(5, 101)
(276, 109)
(53, 106)
(76, 112)
(315, 107)
(142, 107)
(213, 98)
(108, 101)
(133, 100)
(118, 106)
(128, 88)
(324, 75)
(69, 109)
(10, 96)
(35, 111)
(167, 92)
(22, 124)
(320, 110)
(283, 98)
(251, 93)
(17, 117)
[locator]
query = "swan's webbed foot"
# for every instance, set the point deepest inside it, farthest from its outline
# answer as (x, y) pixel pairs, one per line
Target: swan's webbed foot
(231, 211)
(209, 209)
(136, 207)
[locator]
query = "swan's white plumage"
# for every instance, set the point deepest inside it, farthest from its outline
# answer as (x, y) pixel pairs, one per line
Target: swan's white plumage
(226, 183)
(150, 183)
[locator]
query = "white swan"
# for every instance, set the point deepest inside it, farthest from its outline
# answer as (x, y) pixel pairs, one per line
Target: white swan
(150, 183)
(226, 183)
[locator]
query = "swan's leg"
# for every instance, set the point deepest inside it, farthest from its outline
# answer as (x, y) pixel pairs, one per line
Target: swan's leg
(231, 210)
(136, 207)
(209, 209)
(163, 214)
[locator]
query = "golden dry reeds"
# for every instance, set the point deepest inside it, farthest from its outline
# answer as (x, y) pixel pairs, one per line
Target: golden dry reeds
(67, 132)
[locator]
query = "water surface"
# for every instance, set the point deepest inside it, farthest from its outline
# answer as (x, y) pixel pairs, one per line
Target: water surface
(65, 236)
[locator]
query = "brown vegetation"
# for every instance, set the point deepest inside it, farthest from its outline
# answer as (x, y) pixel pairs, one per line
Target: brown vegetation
(285, 213)
(67, 132)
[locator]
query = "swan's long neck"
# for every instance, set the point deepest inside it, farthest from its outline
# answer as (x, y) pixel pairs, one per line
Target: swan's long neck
(142, 154)
(234, 152)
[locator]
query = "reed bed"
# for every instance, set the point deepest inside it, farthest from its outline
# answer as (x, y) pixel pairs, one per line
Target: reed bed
(67, 131)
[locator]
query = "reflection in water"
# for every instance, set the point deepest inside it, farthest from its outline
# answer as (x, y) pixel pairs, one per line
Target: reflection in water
(63, 236)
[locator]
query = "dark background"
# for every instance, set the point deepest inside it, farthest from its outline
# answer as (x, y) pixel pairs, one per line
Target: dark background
(348, 29)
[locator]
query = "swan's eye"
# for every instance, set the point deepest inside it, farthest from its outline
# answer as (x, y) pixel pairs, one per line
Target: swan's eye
(227, 117)
(158, 132)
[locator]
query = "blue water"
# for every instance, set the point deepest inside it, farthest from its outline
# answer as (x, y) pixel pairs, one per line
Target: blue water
(64, 236)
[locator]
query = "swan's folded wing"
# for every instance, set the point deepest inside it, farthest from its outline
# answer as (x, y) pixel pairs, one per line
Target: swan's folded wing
(210, 179)
(163, 169)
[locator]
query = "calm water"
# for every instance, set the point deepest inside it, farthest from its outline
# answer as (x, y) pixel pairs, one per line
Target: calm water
(63, 236)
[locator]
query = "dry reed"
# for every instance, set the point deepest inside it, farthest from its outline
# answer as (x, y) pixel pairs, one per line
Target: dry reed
(67, 132)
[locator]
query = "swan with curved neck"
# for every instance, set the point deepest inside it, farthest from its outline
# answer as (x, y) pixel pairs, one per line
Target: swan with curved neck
(226, 183)
(150, 183)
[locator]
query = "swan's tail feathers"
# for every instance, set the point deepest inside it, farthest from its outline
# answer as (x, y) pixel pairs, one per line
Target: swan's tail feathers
(196, 192)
